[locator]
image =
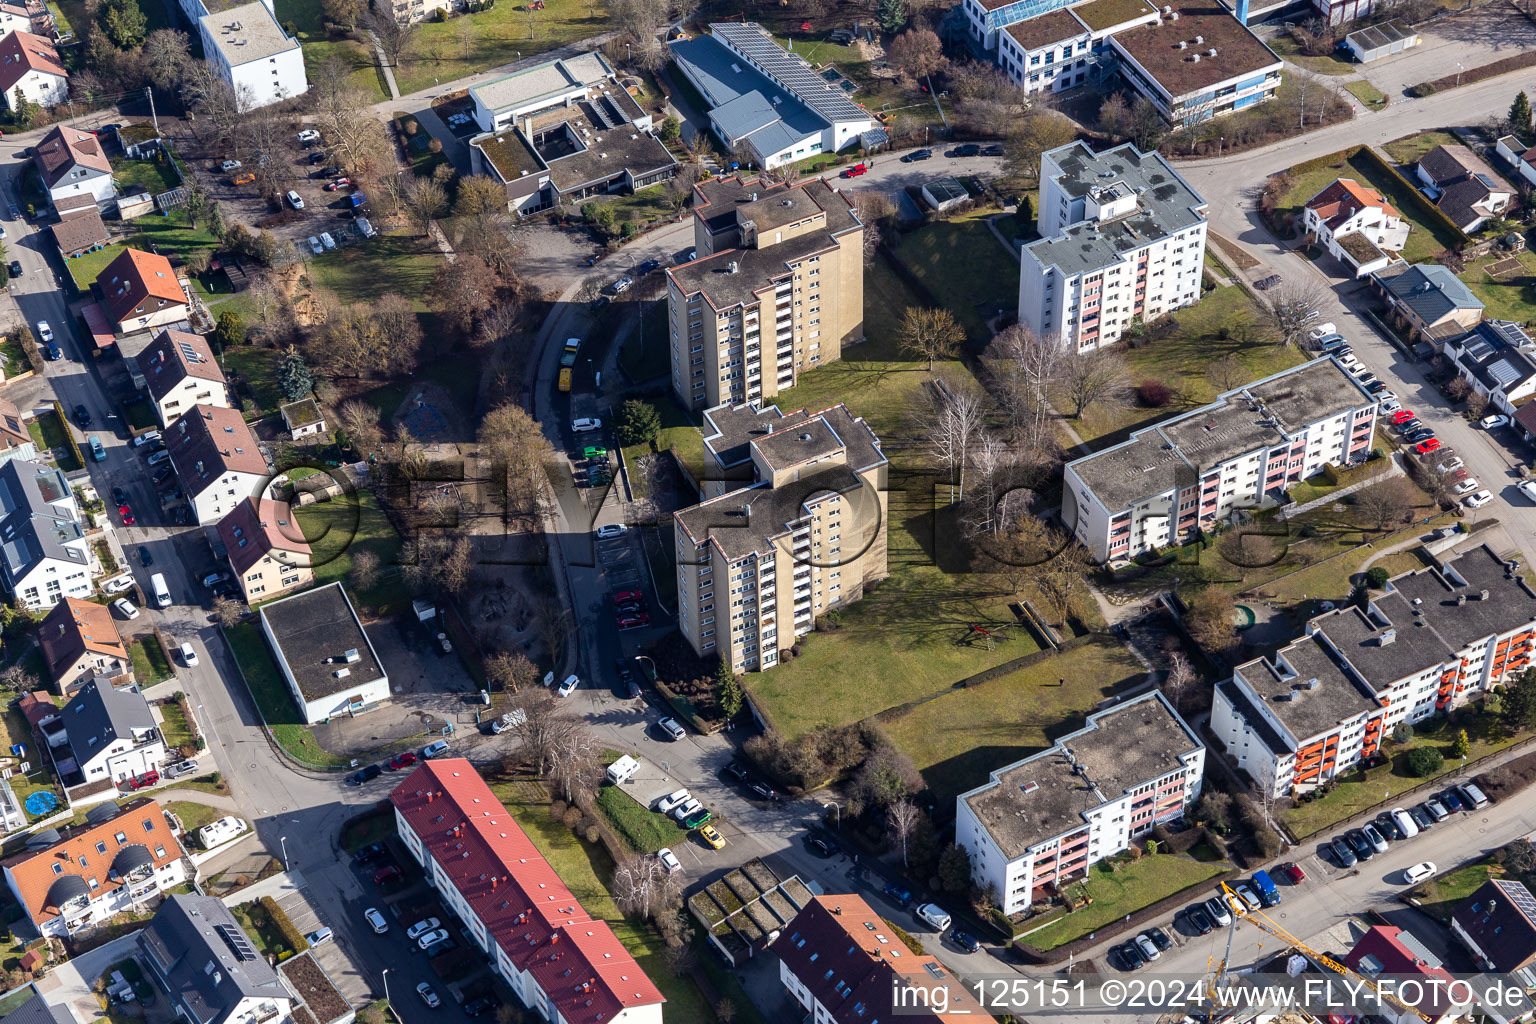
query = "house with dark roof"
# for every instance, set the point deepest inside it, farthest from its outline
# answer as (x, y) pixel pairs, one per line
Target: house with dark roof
(179, 371)
(1498, 359)
(216, 459)
(80, 642)
(559, 961)
(266, 549)
(1464, 188)
(843, 964)
(44, 555)
(79, 231)
(30, 67)
(78, 876)
(1520, 158)
(1431, 641)
(139, 290)
(72, 163)
(197, 951)
(1497, 924)
(324, 653)
(1386, 950)
(1427, 301)
(104, 734)
(1356, 225)
(37, 1010)
(15, 441)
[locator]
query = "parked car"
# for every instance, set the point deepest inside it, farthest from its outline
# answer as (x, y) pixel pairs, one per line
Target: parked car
(1428, 445)
(634, 620)
(1131, 957)
(432, 937)
(1219, 912)
(856, 170)
(1472, 797)
(376, 920)
(1493, 422)
(475, 1007)
(586, 423)
(624, 597)
(898, 892)
(82, 417)
(230, 165)
(1452, 801)
(1374, 837)
(1323, 332)
(144, 781)
(969, 149)
(993, 150)
(421, 928)
(1388, 827)
(1147, 948)
(672, 727)
(1342, 854)
(295, 200)
(339, 183)
(1477, 500)
(371, 852)
(934, 916)
(309, 135)
(1359, 844)
(181, 768)
(125, 513)
(432, 750)
(125, 608)
(364, 774)
(672, 801)
(712, 836)
(1247, 895)
(916, 155)
(425, 991)
(1466, 486)
(611, 531)
(1436, 809)
(1199, 920)
(1421, 817)
(440, 947)
(698, 819)
(399, 761)
(1419, 872)
(819, 845)
(1293, 873)
(669, 860)
(1159, 939)
(965, 940)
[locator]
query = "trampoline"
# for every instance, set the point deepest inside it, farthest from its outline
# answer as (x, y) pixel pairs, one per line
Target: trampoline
(41, 803)
(1243, 617)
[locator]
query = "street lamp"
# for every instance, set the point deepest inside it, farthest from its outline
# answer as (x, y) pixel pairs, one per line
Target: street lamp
(284, 841)
(1458, 76)
(1219, 140)
(386, 984)
(836, 807)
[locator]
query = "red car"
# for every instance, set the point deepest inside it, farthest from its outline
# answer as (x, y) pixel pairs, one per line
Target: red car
(147, 779)
(1402, 416)
(856, 170)
(404, 760)
(628, 597)
(1425, 447)
(388, 873)
(1294, 873)
(634, 621)
(126, 513)
(338, 183)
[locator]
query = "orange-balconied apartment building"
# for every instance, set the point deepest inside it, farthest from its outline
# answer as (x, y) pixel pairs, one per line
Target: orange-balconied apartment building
(1434, 639)
(1048, 818)
(1241, 451)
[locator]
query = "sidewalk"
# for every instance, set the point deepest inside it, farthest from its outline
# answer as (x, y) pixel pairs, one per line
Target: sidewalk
(1327, 499)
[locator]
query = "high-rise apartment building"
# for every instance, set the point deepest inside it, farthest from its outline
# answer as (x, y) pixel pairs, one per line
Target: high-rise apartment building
(792, 526)
(776, 288)
(1122, 238)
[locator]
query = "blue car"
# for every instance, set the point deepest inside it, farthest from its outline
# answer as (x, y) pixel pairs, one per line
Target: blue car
(898, 892)
(965, 940)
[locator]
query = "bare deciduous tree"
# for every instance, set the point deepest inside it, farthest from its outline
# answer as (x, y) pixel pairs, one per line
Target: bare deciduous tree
(426, 200)
(511, 671)
(361, 422)
(1227, 373)
(393, 30)
(954, 425)
(1290, 308)
(930, 334)
(554, 623)
(1180, 675)
(1386, 504)
(901, 820)
(541, 727)
(574, 763)
(364, 572)
(1022, 369)
(227, 613)
(1093, 378)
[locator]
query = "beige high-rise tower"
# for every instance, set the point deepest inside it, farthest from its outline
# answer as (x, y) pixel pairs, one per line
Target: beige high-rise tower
(777, 288)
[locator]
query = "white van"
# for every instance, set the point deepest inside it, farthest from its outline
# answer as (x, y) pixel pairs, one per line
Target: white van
(622, 770)
(188, 655)
(162, 592)
(1405, 822)
(934, 916)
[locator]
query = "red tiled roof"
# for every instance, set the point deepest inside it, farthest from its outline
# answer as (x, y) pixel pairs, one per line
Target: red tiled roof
(541, 927)
(249, 532)
(75, 627)
(1385, 945)
(64, 149)
(141, 822)
(1340, 200)
(138, 282)
(21, 52)
(173, 357)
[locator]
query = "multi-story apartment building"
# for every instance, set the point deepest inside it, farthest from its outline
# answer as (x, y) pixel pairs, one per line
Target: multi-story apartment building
(1432, 640)
(841, 962)
(179, 372)
(249, 49)
(1061, 49)
(113, 862)
(103, 735)
(1123, 238)
(44, 553)
(777, 287)
(563, 964)
(1048, 818)
(216, 460)
(1197, 62)
(792, 526)
(1171, 480)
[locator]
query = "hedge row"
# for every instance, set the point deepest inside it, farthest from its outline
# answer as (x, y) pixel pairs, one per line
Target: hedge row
(294, 938)
(1413, 196)
(1497, 68)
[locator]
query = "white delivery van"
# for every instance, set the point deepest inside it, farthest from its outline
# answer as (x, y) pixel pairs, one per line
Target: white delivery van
(162, 592)
(623, 770)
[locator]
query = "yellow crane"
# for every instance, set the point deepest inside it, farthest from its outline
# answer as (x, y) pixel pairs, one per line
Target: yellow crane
(1263, 922)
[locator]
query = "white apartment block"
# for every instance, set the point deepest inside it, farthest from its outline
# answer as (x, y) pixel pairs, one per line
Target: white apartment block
(792, 526)
(1196, 62)
(1243, 450)
(1047, 819)
(44, 553)
(1060, 49)
(1434, 639)
(1123, 237)
(250, 51)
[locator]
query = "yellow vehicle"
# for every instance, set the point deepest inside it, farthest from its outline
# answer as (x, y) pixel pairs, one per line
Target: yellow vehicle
(565, 378)
(712, 837)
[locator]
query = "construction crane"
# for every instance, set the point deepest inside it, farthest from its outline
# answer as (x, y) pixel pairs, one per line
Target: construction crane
(1242, 912)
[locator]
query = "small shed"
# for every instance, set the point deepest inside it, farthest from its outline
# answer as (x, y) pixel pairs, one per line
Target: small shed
(1382, 40)
(943, 193)
(303, 418)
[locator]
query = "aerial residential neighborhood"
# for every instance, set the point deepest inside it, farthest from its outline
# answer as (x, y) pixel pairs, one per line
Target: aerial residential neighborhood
(636, 513)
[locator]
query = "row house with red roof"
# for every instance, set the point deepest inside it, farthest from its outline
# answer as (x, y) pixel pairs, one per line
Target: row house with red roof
(562, 963)
(1434, 639)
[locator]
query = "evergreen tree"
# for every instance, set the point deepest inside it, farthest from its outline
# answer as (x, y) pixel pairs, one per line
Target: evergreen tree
(293, 377)
(1461, 746)
(729, 688)
(891, 14)
(230, 330)
(1520, 114)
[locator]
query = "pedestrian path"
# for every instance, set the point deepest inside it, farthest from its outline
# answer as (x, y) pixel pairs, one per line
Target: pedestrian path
(1328, 499)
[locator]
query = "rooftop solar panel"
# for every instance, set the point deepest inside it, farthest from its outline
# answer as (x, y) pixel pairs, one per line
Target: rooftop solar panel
(790, 71)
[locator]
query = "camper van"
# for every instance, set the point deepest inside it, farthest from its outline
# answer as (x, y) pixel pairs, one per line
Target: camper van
(622, 770)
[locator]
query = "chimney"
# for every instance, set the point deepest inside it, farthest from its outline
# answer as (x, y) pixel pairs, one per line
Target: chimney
(429, 796)
(1388, 637)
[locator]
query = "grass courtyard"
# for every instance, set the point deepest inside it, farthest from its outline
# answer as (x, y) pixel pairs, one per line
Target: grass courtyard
(1510, 296)
(1115, 894)
(443, 51)
(320, 50)
(957, 738)
(966, 269)
(337, 530)
(259, 368)
(1409, 148)
(51, 436)
(150, 664)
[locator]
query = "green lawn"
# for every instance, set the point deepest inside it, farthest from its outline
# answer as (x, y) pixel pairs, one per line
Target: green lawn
(1115, 894)
(172, 235)
(154, 175)
(1359, 791)
(1425, 239)
(439, 54)
(150, 665)
(270, 692)
(318, 50)
(259, 367)
(1286, 47)
(645, 831)
(15, 359)
(1409, 148)
(17, 731)
(338, 529)
(52, 438)
(585, 869)
(642, 207)
(174, 726)
(193, 816)
(400, 263)
(1311, 489)
(1334, 580)
(886, 300)
(1368, 94)
(1439, 896)
(956, 739)
(679, 429)
(966, 269)
(1510, 297)
(1183, 360)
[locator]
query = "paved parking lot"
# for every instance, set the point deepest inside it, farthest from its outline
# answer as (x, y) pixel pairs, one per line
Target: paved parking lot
(1471, 39)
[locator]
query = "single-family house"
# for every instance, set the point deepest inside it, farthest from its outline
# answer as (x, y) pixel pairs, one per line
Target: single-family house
(80, 231)
(15, 18)
(179, 372)
(1356, 225)
(212, 970)
(1386, 950)
(80, 643)
(44, 554)
(1498, 359)
(216, 459)
(15, 441)
(266, 549)
(30, 68)
(71, 163)
(1463, 187)
(104, 734)
(139, 290)
(1497, 924)
(1427, 301)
